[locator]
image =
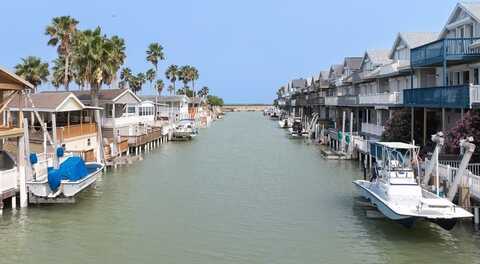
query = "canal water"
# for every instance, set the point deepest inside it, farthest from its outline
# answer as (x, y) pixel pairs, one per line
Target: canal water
(241, 192)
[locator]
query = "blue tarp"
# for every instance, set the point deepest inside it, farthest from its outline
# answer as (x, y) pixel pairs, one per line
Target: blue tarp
(72, 169)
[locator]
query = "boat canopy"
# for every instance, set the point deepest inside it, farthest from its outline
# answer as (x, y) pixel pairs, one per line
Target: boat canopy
(397, 145)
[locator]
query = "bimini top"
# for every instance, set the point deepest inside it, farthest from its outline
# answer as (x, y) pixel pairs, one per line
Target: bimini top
(397, 145)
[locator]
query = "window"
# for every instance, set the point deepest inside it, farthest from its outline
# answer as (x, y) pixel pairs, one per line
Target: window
(131, 109)
(457, 78)
(475, 76)
(466, 77)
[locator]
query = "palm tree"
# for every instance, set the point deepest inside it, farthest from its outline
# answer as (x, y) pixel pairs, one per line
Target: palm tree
(193, 76)
(159, 85)
(150, 76)
(58, 72)
(172, 74)
(125, 76)
(61, 32)
(136, 82)
(203, 92)
(117, 56)
(185, 76)
(33, 70)
(155, 54)
(171, 89)
(97, 59)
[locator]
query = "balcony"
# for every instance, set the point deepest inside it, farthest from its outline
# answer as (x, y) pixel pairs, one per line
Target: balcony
(345, 100)
(381, 99)
(372, 129)
(459, 96)
(64, 133)
(331, 100)
(451, 50)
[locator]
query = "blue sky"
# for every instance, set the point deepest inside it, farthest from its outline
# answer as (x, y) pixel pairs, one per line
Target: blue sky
(244, 50)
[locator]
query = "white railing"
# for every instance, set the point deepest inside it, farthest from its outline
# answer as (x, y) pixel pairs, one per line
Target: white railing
(331, 100)
(360, 144)
(381, 98)
(474, 94)
(8, 179)
(372, 129)
(448, 173)
(473, 167)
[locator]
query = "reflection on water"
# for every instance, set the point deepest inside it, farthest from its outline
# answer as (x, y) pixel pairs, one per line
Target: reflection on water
(241, 192)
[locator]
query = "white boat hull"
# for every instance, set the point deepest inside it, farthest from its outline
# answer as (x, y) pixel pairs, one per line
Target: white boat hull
(407, 216)
(41, 188)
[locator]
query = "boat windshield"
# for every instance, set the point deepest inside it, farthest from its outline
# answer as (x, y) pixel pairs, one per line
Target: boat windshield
(398, 159)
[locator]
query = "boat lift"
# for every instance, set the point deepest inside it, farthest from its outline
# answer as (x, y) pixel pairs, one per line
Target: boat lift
(439, 141)
(460, 181)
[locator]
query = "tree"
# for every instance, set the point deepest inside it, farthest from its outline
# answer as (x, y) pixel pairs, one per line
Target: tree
(185, 91)
(155, 54)
(159, 85)
(97, 59)
(171, 89)
(466, 127)
(125, 76)
(203, 92)
(33, 70)
(193, 76)
(117, 56)
(214, 100)
(61, 32)
(398, 127)
(150, 76)
(171, 74)
(58, 72)
(185, 76)
(136, 82)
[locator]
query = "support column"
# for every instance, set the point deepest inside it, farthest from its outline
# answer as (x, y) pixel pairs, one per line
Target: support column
(412, 124)
(14, 202)
(443, 120)
(424, 126)
(54, 129)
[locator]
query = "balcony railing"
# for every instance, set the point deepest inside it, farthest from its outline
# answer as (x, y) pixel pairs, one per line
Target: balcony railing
(78, 130)
(443, 96)
(381, 99)
(445, 49)
(372, 129)
(347, 100)
(331, 100)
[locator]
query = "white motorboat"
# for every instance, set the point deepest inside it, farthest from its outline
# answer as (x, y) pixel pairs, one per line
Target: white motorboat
(185, 130)
(297, 130)
(72, 177)
(397, 194)
(285, 122)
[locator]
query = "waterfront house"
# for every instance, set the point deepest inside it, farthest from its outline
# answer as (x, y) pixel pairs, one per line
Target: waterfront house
(173, 108)
(126, 120)
(446, 73)
(69, 122)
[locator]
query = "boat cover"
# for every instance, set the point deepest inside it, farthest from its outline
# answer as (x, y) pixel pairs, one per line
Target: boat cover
(72, 169)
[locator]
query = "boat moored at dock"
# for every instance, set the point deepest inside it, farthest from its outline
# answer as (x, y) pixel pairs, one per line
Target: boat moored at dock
(72, 176)
(395, 191)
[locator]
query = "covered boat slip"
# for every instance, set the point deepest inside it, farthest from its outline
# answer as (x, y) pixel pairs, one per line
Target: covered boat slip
(68, 121)
(13, 169)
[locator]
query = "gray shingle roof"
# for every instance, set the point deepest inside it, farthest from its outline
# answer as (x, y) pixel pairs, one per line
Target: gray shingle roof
(416, 39)
(473, 8)
(353, 63)
(379, 56)
(43, 100)
(299, 83)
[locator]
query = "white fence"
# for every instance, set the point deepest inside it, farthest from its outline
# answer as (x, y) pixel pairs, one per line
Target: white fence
(381, 98)
(448, 173)
(372, 129)
(331, 100)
